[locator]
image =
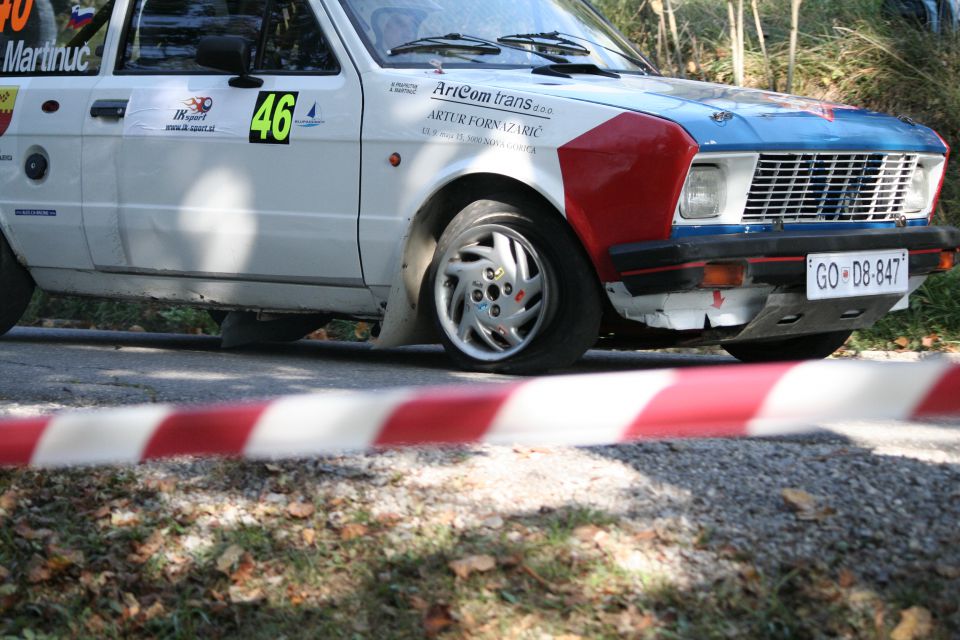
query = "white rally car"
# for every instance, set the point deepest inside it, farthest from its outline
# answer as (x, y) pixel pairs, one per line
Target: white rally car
(509, 176)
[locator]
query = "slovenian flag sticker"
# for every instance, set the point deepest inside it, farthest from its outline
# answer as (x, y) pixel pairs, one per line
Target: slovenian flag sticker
(80, 16)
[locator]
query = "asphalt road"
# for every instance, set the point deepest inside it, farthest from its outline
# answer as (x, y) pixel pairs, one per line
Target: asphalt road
(43, 370)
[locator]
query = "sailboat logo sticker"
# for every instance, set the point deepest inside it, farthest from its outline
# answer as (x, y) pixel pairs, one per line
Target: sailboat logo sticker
(314, 117)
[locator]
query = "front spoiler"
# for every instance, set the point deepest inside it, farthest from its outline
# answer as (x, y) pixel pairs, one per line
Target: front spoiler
(771, 258)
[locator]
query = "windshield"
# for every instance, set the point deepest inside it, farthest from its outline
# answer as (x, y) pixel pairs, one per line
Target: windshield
(412, 33)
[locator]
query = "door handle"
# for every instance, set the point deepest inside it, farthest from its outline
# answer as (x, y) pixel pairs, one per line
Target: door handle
(108, 108)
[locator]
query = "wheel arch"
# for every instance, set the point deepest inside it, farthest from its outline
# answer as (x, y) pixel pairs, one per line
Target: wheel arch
(406, 320)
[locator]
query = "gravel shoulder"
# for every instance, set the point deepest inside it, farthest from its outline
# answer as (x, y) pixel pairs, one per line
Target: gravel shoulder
(850, 532)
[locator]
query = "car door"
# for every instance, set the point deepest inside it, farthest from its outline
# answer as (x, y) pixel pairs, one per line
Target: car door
(50, 55)
(189, 176)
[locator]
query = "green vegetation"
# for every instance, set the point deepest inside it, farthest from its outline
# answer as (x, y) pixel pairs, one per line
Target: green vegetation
(89, 313)
(112, 315)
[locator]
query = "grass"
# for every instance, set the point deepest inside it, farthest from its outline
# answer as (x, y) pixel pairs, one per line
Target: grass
(553, 574)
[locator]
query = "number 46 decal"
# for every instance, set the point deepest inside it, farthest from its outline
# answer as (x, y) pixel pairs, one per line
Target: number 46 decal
(273, 117)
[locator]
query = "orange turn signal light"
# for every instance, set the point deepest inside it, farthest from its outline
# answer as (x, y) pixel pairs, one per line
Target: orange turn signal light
(723, 275)
(948, 260)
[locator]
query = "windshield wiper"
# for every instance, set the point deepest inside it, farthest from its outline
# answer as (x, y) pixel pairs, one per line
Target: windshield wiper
(641, 61)
(551, 40)
(456, 42)
(448, 42)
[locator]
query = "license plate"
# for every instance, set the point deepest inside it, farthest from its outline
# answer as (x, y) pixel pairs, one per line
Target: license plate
(855, 274)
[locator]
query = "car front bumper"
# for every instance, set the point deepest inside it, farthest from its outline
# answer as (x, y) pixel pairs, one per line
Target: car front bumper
(775, 259)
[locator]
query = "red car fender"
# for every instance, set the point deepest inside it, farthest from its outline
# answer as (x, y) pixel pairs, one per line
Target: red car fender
(622, 181)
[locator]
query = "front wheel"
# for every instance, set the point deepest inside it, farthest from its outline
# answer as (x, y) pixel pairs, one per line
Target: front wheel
(512, 290)
(16, 288)
(812, 347)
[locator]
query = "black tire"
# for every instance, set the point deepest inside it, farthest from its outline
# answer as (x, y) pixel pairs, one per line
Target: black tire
(813, 347)
(16, 288)
(565, 310)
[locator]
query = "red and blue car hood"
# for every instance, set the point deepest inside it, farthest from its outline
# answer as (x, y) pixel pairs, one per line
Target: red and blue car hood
(758, 120)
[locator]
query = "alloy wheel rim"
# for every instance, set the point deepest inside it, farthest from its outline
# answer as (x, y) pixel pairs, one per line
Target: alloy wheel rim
(491, 292)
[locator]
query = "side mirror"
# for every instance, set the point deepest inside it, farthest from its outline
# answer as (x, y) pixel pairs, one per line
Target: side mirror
(230, 54)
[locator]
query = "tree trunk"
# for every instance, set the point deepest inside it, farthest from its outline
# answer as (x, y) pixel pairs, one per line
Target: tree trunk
(734, 48)
(668, 9)
(741, 48)
(771, 83)
(794, 29)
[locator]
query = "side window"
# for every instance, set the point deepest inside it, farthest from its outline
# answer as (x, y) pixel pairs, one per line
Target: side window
(294, 41)
(163, 34)
(53, 37)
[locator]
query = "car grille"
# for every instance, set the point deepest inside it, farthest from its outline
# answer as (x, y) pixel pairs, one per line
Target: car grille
(829, 187)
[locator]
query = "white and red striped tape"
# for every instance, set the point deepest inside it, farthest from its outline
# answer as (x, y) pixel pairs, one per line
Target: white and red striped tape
(723, 401)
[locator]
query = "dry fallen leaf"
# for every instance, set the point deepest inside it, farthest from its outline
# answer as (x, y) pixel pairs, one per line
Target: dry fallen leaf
(131, 606)
(353, 531)
(96, 582)
(9, 500)
(903, 342)
(389, 520)
(37, 570)
(101, 513)
(798, 500)
(948, 571)
(153, 611)
(143, 551)
(510, 561)
(418, 603)
(805, 505)
(916, 623)
(124, 519)
(647, 535)
(244, 570)
(60, 559)
(239, 595)
(588, 533)
(930, 340)
(472, 564)
(301, 510)
(161, 485)
(230, 557)
(309, 536)
(361, 331)
(437, 619)
(846, 579)
(630, 623)
(95, 625)
(27, 533)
